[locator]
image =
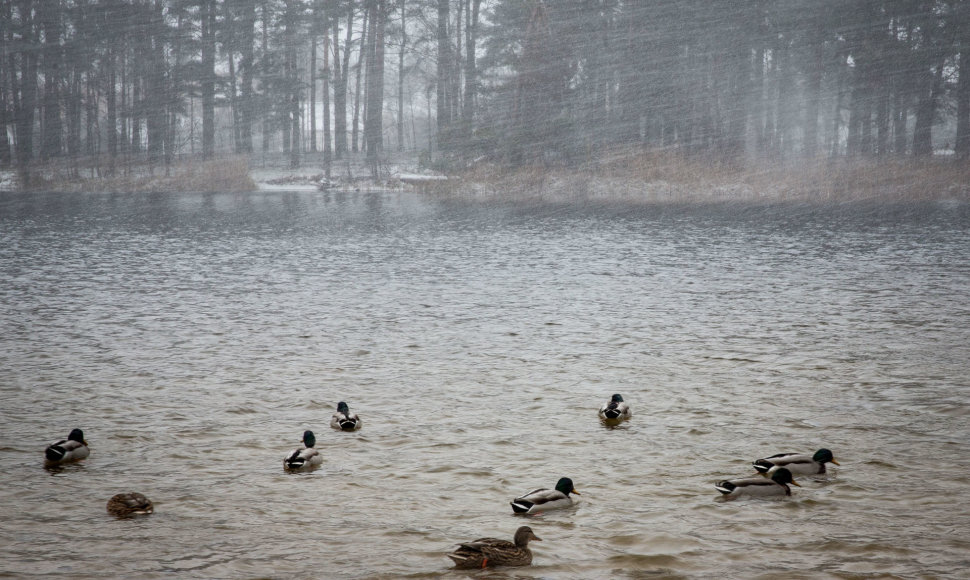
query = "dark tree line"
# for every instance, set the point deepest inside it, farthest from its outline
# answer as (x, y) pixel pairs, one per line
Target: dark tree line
(737, 80)
(103, 84)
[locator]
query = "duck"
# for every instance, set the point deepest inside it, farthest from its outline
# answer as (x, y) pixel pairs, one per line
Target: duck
(775, 484)
(306, 457)
(74, 448)
(797, 463)
(542, 499)
(485, 552)
(344, 420)
(126, 505)
(615, 411)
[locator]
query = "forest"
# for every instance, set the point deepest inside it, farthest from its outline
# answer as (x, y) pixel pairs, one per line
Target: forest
(101, 85)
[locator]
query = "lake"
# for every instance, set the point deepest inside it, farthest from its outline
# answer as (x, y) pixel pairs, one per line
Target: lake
(195, 337)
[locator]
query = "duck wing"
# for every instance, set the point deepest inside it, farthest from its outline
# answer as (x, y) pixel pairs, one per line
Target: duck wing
(753, 486)
(536, 499)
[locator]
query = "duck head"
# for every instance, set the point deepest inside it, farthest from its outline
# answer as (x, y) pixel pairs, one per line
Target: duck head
(77, 435)
(824, 455)
(783, 477)
(523, 535)
(565, 485)
(309, 439)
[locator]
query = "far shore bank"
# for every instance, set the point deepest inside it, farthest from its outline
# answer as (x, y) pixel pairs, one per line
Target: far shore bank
(636, 178)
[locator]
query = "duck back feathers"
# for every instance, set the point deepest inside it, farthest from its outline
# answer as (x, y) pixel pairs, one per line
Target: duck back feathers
(344, 420)
(126, 505)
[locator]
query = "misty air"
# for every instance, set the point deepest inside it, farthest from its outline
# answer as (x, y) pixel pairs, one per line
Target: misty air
(419, 288)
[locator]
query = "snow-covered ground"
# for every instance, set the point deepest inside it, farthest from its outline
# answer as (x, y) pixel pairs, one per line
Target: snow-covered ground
(8, 181)
(351, 174)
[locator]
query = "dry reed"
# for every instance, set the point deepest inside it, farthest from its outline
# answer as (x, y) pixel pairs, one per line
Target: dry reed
(665, 176)
(231, 174)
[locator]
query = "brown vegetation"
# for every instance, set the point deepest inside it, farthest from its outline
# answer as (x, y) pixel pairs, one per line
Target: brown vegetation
(211, 176)
(662, 176)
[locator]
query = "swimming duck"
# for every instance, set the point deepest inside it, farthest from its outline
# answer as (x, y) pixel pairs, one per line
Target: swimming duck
(615, 411)
(66, 450)
(305, 458)
(494, 552)
(539, 500)
(344, 420)
(797, 463)
(777, 484)
(126, 505)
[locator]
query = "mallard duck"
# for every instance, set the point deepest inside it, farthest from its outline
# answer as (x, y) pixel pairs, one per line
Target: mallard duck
(126, 505)
(306, 457)
(797, 463)
(66, 450)
(494, 552)
(615, 411)
(539, 500)
(344, 420)
(777, 484)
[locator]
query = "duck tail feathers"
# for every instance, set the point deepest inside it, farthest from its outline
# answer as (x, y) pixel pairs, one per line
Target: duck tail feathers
(54, 453)
(521, 506)
(294, 461)
(725, 487)
(762, 466)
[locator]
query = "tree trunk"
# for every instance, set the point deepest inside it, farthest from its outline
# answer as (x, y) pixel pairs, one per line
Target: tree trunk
(361, 59)
(312, 77)
(962, 145)
(155, 80)
(49, 13)
(443, 112)
(6, 81)
(327, 136)
(400, 77)
(26, 104)
(341, 71)
(814, 91)
(293, 82)
(247, 104)
(374, 120)
(207, 83)
(471, 70)
(926, 113)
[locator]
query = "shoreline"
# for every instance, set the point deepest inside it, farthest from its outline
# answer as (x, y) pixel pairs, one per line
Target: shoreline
(638, 178)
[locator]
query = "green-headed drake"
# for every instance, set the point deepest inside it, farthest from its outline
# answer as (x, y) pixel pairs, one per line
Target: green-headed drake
(67, 450)
(797, 463)
(775, 484)
(542, 499)
(343, 419)
(306, 457)
(615, 411)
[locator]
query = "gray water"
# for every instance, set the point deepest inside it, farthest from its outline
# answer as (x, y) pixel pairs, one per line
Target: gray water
(194, 338)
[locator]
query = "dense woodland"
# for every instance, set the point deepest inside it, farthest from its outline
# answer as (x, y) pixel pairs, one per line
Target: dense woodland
(103, 84)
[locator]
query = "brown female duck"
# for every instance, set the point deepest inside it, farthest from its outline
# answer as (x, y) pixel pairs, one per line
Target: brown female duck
(485, 552)
(126, 505)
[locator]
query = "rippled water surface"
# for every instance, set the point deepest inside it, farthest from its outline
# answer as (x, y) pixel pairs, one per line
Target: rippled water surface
(195, 337)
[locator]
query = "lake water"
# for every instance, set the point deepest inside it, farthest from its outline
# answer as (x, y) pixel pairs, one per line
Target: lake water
(195, 337)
